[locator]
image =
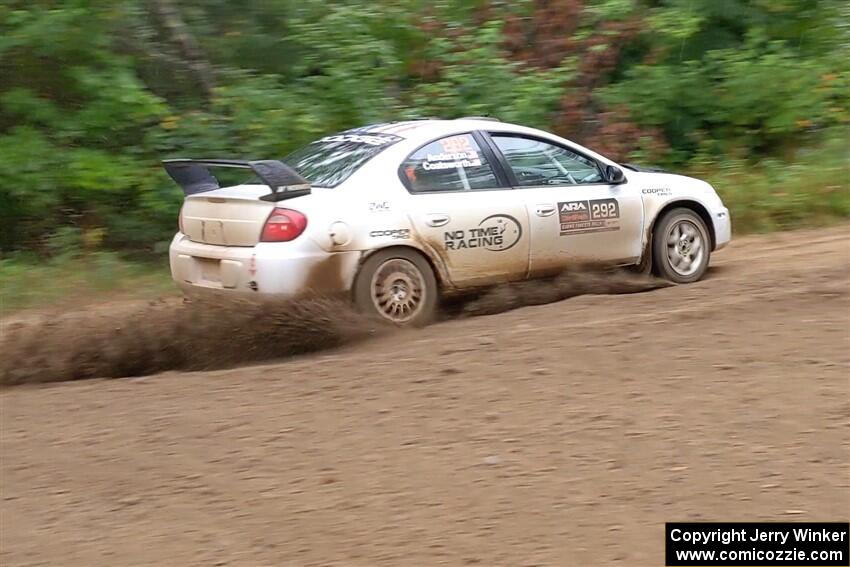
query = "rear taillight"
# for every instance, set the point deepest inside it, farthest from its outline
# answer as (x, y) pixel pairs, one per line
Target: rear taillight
(283, 225)
(180, 220)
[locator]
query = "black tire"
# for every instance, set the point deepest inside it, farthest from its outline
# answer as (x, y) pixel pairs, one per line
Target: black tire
(675, 255)
(394, 278)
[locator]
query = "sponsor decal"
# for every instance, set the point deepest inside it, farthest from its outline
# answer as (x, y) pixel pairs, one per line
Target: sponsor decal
(379, 206)
(496, 233)
(457, 152)
(466, 159)
(660, 191)
(368, 139)
(395, 233)
(582, 217)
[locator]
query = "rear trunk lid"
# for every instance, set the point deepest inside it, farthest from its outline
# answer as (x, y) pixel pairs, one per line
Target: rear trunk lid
(233, 216)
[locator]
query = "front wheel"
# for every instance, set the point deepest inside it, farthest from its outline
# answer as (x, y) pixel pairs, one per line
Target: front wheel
(681, 246)
(398, 285)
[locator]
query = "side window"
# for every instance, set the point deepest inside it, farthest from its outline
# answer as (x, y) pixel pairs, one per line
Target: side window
(535, 162)
(450, 164)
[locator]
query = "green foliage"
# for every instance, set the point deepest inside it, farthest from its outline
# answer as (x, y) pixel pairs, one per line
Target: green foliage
(773, 195)
(94, 93)
(477, 80)
(742, 77)
(757, 98)
(72, 114)
(27, 282)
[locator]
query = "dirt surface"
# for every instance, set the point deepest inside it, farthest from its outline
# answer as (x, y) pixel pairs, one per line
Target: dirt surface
(558, 434)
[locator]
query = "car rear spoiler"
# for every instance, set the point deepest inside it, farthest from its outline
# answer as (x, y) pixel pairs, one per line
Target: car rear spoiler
(194, 176)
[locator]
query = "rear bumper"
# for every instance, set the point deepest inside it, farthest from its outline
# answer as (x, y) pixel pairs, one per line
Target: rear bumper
(722, 228)
(284, 269)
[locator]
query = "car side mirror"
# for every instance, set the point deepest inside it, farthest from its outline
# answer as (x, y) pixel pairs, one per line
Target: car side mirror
(614, 175)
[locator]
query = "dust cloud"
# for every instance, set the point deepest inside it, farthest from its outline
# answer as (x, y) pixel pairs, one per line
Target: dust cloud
(581, 280)
(124, 341)
(170, 335)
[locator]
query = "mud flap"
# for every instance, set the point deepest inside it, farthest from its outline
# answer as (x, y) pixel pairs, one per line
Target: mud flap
(644, 268)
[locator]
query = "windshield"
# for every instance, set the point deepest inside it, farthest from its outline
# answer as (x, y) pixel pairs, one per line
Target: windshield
(331, 160)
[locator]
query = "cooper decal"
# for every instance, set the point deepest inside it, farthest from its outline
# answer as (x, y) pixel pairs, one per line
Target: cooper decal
(396, 233)
(495, 233)
(660, 191)
(582, 217)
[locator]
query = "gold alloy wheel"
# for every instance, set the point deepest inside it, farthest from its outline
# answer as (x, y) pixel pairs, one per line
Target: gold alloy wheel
(398, 290)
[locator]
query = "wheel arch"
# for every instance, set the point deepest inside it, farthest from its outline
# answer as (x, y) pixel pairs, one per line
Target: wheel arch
(691, 204)
(436, 266)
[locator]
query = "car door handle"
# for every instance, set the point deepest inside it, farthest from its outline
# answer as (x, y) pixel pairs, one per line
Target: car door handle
(544, 210)
(437, 220)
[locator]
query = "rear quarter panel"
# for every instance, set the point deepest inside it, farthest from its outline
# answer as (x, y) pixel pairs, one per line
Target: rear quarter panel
(366, 213)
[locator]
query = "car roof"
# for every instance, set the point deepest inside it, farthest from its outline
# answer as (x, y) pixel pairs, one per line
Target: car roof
(428, 127)
(419, 132)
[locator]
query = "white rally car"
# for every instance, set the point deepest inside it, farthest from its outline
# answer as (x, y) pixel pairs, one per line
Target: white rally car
(398, 214)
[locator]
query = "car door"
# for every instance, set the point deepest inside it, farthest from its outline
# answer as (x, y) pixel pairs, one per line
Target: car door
(574, 215)
(463, 209)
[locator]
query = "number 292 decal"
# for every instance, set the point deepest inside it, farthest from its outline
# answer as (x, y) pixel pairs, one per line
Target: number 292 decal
(582, 217)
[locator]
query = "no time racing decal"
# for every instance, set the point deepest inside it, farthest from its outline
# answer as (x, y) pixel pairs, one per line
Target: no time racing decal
(582, 217)
(496, 233)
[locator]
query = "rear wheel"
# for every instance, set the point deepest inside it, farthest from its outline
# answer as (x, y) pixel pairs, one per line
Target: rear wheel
(681, 246)
(398, 285)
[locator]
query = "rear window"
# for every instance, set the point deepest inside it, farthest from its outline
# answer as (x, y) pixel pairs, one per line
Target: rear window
(454, 163)
(331, 160)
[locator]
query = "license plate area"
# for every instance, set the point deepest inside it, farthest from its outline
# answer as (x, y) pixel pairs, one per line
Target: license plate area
(209, 270)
